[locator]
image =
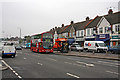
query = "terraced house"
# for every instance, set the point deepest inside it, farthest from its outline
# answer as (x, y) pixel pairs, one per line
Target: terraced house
(102, 28)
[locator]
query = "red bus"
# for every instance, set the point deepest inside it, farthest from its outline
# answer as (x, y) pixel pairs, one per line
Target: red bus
(42, 42)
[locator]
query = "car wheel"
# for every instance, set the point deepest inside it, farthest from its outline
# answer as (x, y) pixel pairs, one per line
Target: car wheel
(98, 50)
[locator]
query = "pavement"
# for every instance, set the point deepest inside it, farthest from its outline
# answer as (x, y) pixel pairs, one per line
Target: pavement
(90, 55)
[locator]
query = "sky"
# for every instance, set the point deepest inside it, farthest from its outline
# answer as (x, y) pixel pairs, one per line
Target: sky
(37, 16)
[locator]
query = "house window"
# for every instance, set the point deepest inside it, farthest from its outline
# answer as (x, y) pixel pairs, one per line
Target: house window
(88, 31)
(106, 29)
(92, 32)
(117, 28)
(101, 30)
(78, 33)
(73, 33)
(70, 34)
(81, 33)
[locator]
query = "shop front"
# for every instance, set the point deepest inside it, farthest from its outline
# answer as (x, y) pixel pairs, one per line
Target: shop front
(115, 40)
(104, 37)
(80, 41)
(90, 38)
(70, 40)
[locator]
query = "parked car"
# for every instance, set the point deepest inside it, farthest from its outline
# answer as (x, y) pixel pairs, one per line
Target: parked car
(114, 49)
(8, 51)
(18, 48)
(76, 47)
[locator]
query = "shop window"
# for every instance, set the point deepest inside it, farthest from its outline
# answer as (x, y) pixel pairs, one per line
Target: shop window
(114, 43)
(117, 28)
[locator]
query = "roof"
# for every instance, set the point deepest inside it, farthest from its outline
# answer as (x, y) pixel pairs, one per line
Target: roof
(94, 22)
(80, 25)
(113, 18)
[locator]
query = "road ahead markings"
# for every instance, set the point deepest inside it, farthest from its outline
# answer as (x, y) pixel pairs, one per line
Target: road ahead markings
(11, 69)
(113, 72)
(39, 63)
(72, 75)
(90, 65)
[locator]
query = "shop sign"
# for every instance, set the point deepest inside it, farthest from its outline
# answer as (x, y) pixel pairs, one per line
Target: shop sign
(79, 39)
(102, 36)
(116, 37)
(90, 36)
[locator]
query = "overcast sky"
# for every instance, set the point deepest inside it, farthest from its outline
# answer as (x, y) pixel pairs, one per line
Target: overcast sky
(37, 16)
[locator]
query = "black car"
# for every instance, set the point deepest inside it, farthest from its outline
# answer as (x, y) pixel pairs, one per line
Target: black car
(114, 49)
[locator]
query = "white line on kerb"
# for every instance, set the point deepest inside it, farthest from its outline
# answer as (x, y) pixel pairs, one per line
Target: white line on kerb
(11, 69)
(72, 75)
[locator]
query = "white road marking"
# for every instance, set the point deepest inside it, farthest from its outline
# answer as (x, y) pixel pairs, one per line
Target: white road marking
(90, 65)
(11, 69)
(39, 63)
(25, 58)
(74, 64)
(109, 62)
(68, 62)
(113, 72)
(72, 75)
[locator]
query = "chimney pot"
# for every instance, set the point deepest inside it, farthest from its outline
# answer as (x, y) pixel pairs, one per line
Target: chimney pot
(87, 18)
(110, 11)
(72, 22)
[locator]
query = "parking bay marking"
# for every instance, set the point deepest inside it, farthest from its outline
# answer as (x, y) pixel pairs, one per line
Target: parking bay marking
(11, 69)
(72, 75)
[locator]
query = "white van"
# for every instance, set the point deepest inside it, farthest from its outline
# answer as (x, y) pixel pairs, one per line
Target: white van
(97, 46)
(8, 51)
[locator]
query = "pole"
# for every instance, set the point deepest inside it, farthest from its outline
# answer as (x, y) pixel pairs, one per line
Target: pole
(20, 33)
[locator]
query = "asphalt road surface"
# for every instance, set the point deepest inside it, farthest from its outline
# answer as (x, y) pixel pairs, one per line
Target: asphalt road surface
(28, 64)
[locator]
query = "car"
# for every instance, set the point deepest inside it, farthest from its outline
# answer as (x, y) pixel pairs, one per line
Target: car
(76, 47)
(18, 48)
(114, 49)
(8, 50)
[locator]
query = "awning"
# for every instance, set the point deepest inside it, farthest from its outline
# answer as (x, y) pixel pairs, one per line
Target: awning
(61, 39)
(70, 41)
(103, 39)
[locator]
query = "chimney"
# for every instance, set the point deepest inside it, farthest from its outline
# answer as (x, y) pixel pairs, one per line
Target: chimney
(110, 11)
(87, 18)
(72, 22)
(62, 25)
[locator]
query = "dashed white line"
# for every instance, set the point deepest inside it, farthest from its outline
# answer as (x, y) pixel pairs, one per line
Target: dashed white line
(72, 75)
(90, 65)
(39, 63)
(11, 69)
(113, 72)
(68, 62)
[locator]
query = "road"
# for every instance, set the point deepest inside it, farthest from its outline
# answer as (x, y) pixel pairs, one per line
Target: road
(28, 64)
